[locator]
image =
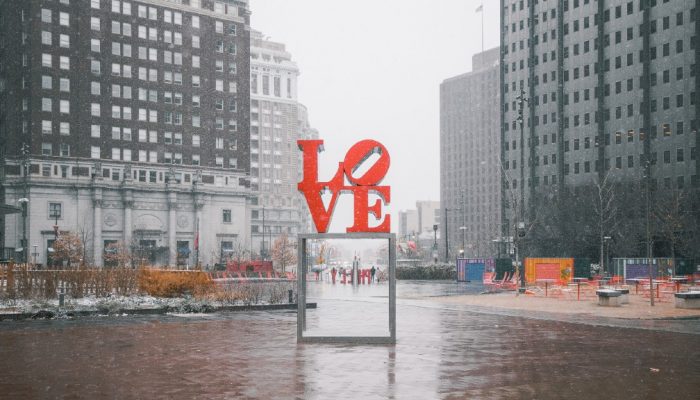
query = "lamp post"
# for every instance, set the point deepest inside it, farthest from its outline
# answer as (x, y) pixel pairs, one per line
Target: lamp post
(23, 202)
(464, 230)
(435, 245)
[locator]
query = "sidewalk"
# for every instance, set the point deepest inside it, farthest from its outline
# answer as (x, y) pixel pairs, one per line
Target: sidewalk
(638, 307)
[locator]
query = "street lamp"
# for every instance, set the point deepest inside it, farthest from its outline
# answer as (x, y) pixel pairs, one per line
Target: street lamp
(464, 230)
(435, 246)
(23, 202)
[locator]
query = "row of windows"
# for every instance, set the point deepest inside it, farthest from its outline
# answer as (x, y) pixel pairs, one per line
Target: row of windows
(144, 74)
(667, 181)
(122, 154)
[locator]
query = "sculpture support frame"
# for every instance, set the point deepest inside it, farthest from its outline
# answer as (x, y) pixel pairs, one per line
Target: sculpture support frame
(303, 264)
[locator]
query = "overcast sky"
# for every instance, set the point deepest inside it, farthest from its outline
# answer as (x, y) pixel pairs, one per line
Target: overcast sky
(372, 69)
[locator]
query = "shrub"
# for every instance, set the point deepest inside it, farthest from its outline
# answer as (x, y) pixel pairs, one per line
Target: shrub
(161, 283)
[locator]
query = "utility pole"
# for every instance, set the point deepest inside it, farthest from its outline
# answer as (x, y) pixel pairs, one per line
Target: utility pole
(521, 99)
(262, 248)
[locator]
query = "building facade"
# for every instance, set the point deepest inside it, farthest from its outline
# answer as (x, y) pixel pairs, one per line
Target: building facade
(610, 92)
(470, 184)
(127, 121)
(278, 120)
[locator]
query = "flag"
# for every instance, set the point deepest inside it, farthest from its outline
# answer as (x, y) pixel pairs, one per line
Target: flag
(480, 8)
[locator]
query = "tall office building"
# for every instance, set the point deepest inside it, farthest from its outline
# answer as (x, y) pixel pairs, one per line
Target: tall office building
(278, 120)
(610, 93)
(126, 121)
(470, 189)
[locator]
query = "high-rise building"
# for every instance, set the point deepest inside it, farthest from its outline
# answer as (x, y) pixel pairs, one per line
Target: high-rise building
(126, 121)
(608, 91)
(470, 188)
(278, 120)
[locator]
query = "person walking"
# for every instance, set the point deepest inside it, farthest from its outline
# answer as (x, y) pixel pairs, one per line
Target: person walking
(333, 275)
(373, 270)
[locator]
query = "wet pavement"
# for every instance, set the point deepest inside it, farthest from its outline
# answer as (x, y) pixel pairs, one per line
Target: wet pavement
(442, 353)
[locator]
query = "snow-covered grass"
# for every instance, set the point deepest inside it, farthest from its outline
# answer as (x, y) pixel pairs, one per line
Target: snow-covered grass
(228, 295)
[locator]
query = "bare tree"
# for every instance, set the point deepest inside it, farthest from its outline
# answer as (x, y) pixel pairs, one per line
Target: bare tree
(283, 252)
(606, 212)
(673, 219)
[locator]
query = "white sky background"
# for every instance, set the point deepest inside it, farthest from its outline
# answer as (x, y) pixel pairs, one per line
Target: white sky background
(372, 69)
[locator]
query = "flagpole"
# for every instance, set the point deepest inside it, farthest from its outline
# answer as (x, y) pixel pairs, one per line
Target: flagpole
(480, 9)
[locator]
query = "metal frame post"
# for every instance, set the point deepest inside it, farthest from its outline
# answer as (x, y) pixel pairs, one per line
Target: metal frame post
(301, 290)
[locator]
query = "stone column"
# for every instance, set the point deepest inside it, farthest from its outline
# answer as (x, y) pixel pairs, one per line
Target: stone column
(97, 227)
(172, 228)
(128, 205)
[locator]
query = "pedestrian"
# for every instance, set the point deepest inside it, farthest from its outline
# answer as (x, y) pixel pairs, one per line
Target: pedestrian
(333, 275)
(373, 271)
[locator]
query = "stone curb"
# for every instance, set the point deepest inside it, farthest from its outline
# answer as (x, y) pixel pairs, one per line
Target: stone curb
(50, 314)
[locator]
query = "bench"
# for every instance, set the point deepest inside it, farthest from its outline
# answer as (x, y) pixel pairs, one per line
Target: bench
(624, 295)
(608, 297)
(688, 300)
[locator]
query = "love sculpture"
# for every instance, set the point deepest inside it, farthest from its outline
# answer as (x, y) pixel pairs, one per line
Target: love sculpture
(360, 187)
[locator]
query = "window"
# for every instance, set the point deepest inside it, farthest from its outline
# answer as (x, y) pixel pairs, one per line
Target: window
(46, 38)
(95, 23)
(95, 109)
(153, 136)
(95, 88)
(63, 19)
(195, 159)
(46, 127)
(195, 81)
(116, 153)
(95, 67)
(220, 143)
(95, 4)
(195, 21)
(46, 104)
(219, 85)
(64, 150)
(218, 27)
(226, 216)
(177, 18)
(195, 140)
(233, 163)
(195, 42)
(95, 131)
(64, 84)
(196, 121)
(64, 106)
(116, 28)
(195, 61)
(195, 101)
(94, 151)
(46, 149)
(64, 41)
(220, 162)
(95, 45)
(64, 128)
(46, 60)
(46, 82)
(46, 15)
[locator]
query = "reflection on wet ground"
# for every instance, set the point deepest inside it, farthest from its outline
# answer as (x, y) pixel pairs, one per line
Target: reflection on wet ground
(448, 353)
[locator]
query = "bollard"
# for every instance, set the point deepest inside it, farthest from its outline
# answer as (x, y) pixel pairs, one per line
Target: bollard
(61, 297)
(290, 292)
